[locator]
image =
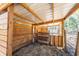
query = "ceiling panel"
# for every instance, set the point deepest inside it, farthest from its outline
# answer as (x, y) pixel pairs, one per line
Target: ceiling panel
(45, 10)
(61, 9)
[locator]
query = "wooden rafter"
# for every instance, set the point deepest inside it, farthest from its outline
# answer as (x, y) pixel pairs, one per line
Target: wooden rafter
(59, 20)
(26, 6)
(22, 17)
(4, 6)
(72, 10)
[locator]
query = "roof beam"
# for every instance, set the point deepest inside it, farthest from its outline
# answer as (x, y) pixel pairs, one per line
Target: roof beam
(4, 6)
(52, 21)
(72, 10)
(22, 17)
(26, 6)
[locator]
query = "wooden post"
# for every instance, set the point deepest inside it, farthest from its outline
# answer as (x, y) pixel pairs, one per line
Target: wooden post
(32, 33)
(10, 30)
(77, 46)
(62, 34)
(65, 40)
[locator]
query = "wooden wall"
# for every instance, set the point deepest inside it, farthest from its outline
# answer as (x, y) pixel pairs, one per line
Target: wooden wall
(3, 33)
(22, 34)
(71, 42)
(42, 29)
(56, 40)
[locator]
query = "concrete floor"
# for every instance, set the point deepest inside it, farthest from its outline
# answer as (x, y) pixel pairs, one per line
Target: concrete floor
(37, 49)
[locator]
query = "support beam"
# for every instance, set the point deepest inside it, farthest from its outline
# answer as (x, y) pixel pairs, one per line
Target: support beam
(63, 41)
(52, 21)
(10, 30)
(53, 11)
(23, 17)
(77, 46)
(72, 10)
(4, 6)
(26, 6)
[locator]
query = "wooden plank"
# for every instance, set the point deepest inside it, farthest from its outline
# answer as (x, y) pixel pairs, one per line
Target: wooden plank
(3, 50)
(3, 43)
(18, 27)
(21, 45)
(22, 36)
(52, 40)
(56, 41)
(21, 39)
(10, 29)
(21, 21)
(3, 16)
(21, 25)
(2, 54)
(3, 38)
(22, 29)
(22, 33)
(3, 27)
(60, 39)
(3, 32)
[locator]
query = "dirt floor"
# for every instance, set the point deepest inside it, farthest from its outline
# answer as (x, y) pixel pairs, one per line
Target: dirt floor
(37, 49)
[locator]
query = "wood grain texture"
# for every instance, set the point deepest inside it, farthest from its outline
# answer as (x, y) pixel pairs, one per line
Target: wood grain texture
(10, 29)
(3, 34)
(22, 33)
